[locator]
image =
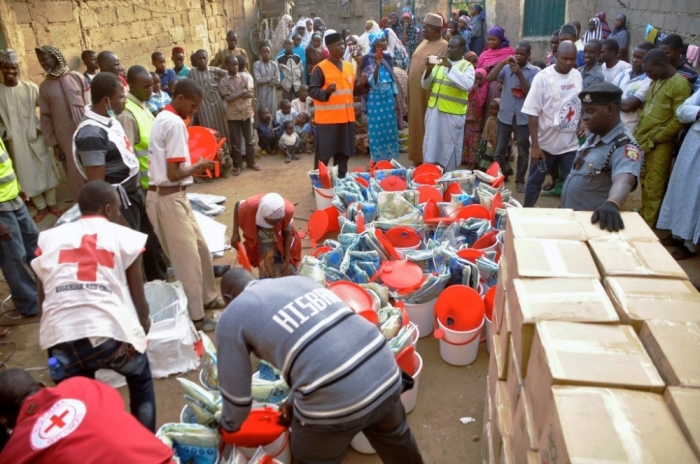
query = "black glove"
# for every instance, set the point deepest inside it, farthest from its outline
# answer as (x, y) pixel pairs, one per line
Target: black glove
(609, 216)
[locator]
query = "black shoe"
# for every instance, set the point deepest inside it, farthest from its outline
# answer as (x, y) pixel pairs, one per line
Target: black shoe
(221, 269)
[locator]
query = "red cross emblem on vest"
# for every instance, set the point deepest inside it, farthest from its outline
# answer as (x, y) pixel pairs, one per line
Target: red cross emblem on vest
(88, 258)
(128, 144)
(570, 114)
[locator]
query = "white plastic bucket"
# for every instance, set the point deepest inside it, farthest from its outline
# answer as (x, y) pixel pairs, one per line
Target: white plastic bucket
(278, 449)
(324, 198)
(409, 397)
(416, 335)
(460, 348)
(360, 443)
(422, 316)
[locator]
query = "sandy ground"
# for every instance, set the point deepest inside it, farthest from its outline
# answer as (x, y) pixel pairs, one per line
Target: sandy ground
(446, 393)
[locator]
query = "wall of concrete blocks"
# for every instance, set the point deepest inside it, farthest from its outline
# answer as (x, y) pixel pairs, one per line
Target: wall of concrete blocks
(670, 16)
(131, 29)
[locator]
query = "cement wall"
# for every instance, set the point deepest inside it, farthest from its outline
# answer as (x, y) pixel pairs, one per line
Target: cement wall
(133, 30)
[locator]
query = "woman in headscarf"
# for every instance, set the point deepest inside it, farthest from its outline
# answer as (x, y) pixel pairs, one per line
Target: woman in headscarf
(315, 53)
(384, 23)
(345, 34)
(594, 32)
(407, 31)
(353, 54)
(284, 28)
(622, 36)
(62, 104)
(269, 237)
(498, 49)
(319, 25)
(303, 32)
(371, 27)
(401, 64)
(378, 70)
(475, 118)
(605, 27)
(464, 28)
(451, 30)
(394, 21)
(478, 32)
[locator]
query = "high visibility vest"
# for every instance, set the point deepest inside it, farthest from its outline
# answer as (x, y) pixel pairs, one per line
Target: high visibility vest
(9, 185)
(449, 98)
(144, 121)
(339, 109)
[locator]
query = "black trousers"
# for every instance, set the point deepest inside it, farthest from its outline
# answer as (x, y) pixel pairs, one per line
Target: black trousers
(242, 131)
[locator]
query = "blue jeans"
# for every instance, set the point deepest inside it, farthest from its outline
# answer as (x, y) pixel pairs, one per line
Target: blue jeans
(522, 137)
(16, 255)
(536, 179)
(79, 358)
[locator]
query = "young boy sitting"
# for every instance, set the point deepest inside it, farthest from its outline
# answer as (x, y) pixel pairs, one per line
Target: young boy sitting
(286, 113)
(301, 128)
(269, 132)
(304, 103)
(289, 142)
(158, 98)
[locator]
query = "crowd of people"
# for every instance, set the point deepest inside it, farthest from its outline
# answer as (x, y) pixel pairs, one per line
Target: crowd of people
(595, 120)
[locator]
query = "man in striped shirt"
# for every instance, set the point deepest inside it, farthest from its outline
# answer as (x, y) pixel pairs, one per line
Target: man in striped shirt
(343, 376)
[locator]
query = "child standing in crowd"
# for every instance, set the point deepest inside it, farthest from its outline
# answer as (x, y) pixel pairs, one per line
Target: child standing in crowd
(158, 99)
(301, 127)
(285, 113)
(303, 102)
(267, 78)
(269, 132)
(167, 77)
(361, 133)
(475, 118)
(289, 142)
(489, 137)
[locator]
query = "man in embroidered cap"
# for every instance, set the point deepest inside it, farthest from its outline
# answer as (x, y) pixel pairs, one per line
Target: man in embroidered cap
(332, 86)
(178, 57)
(607, 165)
(35, 167)
(270, 239)
(432, 45)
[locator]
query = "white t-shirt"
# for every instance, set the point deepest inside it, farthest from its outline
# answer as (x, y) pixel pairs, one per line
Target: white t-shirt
(638, 88)
(82, 266)
(609, 74)
(554, 98)
(167, 144)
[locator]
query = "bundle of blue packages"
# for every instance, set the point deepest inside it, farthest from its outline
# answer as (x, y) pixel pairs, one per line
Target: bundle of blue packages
(488, 271)
(472, 229)
(380, 175)
(191, 443)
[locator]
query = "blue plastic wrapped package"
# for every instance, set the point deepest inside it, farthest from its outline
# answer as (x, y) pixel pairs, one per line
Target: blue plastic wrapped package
(488, 272)
(429, 290)
(465, 199)
(191, 443)
(390, 321)
(472, 229)
(380, 175)
(466, 180)
(403, 339)
(313, 268)
(268, 386)
(450, 234)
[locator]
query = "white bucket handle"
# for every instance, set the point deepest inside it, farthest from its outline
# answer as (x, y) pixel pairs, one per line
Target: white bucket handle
(319, 191)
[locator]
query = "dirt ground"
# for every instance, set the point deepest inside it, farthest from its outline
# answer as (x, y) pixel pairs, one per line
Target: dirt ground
(446, 393)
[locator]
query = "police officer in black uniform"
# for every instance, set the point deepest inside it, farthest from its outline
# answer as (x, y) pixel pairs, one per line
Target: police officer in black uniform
(607, 166)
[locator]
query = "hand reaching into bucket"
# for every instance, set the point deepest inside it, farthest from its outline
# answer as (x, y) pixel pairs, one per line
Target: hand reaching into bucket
(286, 412)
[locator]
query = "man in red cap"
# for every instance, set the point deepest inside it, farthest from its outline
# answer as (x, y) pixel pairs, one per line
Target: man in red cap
(178, 57)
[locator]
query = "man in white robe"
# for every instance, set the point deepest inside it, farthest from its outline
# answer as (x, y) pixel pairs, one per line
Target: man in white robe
(449, 81)
(35, 166)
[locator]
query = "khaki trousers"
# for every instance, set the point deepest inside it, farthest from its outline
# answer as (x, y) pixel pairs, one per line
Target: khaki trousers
(183, 243)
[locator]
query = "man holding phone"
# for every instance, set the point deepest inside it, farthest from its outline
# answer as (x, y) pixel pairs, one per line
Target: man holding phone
(554, 111)
(449, 82)
(516, 79)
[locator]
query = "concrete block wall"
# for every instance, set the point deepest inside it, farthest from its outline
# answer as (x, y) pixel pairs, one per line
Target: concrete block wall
(681, 17)
(133, 30)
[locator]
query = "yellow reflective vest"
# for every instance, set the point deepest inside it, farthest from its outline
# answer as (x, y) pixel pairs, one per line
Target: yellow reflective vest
(9, 185)
(144, 121)
(449, 98)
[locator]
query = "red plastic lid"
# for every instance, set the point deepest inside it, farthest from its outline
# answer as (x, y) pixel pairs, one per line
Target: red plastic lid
(431, 213)
(360, 223)
(201, 144)
(400, 275)
(427, 178)
(382, 165)
(486, 240)
(387, 244)
(496, 203)
(451, 189)
(362, 182)
(320, 250)
(403, 237)
(333, 221)
(353, 295)
(324, 176)
(470, 254)
(489, 300)
(426, 193)
(472, 211)
(243, 258)
(261, 428)
(427, 168)
(460, 308)
(393, 184)
(494, 169)
(406, 360)
(318, 226)
(498, 183)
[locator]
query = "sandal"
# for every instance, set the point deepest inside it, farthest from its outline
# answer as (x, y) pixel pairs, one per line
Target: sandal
(38, 217)
(681, 253)
(255, 167)
(55, 210)
(236, 172)
(216, 303)
(670, 241)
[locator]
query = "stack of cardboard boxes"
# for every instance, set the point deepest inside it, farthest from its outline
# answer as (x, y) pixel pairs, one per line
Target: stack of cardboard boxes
(594, 346)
